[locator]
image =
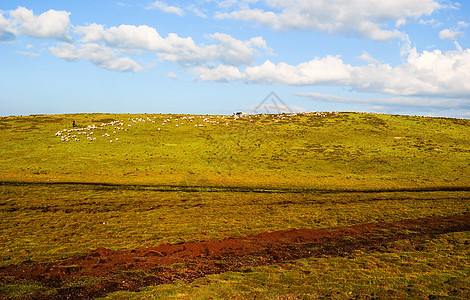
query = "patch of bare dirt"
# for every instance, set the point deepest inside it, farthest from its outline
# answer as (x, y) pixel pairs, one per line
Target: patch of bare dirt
(134, 269)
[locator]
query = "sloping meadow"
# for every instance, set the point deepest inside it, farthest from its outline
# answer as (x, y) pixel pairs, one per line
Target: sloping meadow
(315, 150)
(129, 181)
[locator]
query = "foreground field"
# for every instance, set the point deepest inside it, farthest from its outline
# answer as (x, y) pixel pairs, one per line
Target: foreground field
(173, 185)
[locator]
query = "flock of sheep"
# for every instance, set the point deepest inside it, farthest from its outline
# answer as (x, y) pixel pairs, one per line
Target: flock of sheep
(88, 132)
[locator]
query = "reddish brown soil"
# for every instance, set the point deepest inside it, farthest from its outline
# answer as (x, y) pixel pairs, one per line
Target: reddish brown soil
(134, 269)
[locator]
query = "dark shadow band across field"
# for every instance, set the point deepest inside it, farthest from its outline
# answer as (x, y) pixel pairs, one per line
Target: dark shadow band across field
(131, 270)
(233, 189)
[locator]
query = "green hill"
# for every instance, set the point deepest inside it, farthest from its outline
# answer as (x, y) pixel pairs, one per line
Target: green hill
(314, 150)
(124, 182)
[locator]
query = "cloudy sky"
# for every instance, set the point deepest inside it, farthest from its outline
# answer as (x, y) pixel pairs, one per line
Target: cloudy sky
(217, 57)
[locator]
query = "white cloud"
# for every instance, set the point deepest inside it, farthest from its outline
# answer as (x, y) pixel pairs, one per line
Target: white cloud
(124, 36)
(367, 58)
(453, 34)
(51, 24)
(6, 33)
(220, 73)
(100, 56)
(428, 73)
(431, 22)
(197, 11)
(269, 18)
(3, 22)
(231, 51)
(227, 49)
(162, 6)
(448, 34)
(365, 18)
(328, 70)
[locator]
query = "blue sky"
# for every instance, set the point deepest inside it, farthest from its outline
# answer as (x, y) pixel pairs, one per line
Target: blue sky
(217, 57)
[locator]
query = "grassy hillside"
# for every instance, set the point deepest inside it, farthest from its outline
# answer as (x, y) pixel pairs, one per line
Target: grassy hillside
(213, 177)
(323, 150)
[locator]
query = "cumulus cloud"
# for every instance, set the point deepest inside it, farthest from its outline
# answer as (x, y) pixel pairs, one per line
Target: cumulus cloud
(448, 34)
(100, 56)
(51, 24)
(227, 49)
(221, 73)
(453, 34)
(365, 18)
(433, 73)
(123, 36)
(162, 6)
(328, 70)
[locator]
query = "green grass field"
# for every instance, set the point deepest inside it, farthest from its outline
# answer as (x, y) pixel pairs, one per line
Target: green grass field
(158, 183)
(345, 150)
